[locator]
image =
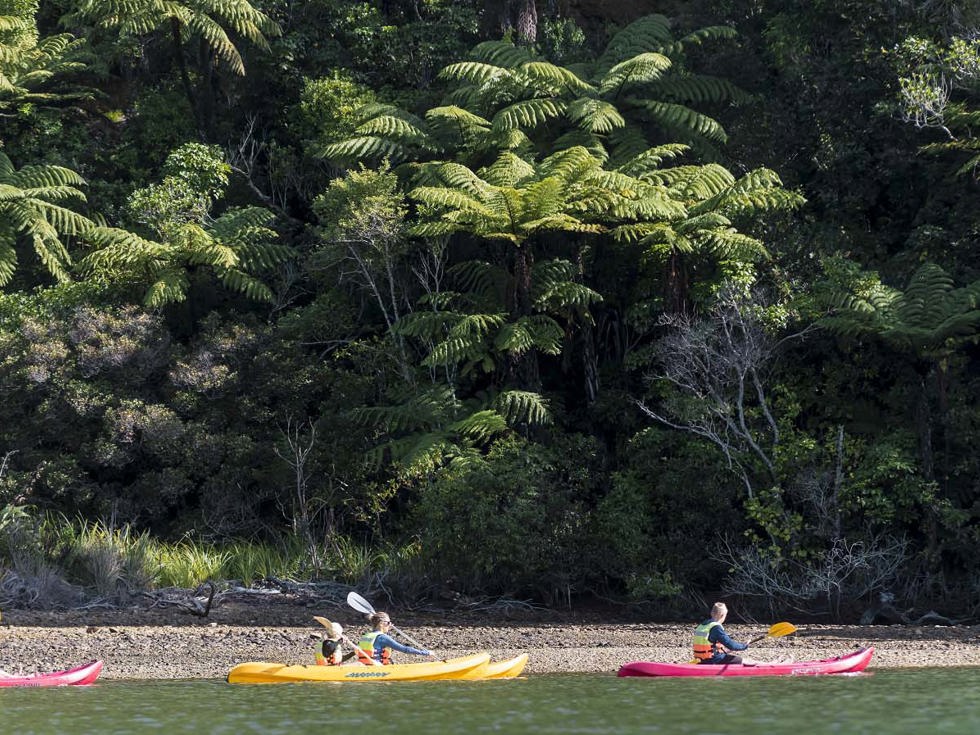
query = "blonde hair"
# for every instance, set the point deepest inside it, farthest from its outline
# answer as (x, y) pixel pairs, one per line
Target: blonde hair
(718, 610)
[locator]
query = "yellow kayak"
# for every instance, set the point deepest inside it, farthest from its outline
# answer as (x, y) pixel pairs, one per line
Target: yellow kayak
(508, 669)
(258, 672)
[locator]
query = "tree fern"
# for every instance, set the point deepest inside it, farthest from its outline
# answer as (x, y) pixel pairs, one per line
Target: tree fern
(235, 246)
(31, 213)
(932, 314)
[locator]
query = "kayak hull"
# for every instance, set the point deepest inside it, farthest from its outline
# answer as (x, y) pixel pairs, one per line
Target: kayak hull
(78, 676)
(508, 669)
(258, 672)
(849, 663)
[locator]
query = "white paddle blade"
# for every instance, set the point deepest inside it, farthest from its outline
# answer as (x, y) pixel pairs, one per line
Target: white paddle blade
(359, 603)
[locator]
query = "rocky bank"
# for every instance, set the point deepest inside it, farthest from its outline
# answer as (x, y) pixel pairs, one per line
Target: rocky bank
(152, 643)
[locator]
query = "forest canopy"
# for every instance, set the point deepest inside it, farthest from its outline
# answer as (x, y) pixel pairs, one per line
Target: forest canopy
(642, 302)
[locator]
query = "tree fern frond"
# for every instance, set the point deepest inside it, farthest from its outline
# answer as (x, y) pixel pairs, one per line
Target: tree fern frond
(365, 147)
(557, 77)
(567, 296)
(450, 198)
(47, 177)
(641, 69)
(652, 159)
(8, 261)
(528, 114)
(508, 170)
(474, 72)
(392, 127)
(729, 244)
(242, 282)
(699, 89)
(479, 277)
(216, 37)
(648, 33)
(684, 120)
(523, 407)
(502, 53)
(595, 116)
(537, 331)
(170, 287)
(481, 426)
(452, 121)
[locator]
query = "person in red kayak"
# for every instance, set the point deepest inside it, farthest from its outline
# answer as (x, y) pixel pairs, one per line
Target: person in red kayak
(379, 644)
(712, 645)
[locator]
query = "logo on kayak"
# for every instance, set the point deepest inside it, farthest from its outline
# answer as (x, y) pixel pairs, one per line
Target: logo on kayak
(366, 675)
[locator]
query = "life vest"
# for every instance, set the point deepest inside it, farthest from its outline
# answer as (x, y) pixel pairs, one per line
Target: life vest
(704, 649)
(328, 653)
(367, 644)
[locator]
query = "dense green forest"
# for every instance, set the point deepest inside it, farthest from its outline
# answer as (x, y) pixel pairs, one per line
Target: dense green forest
(644, 302)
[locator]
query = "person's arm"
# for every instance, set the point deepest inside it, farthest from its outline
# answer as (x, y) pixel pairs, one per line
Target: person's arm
(386, 641)
(718, 635)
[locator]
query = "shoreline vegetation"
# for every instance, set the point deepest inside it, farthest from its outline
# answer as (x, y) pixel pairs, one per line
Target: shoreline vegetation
(149, 643)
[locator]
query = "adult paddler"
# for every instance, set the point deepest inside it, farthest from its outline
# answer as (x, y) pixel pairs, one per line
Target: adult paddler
(712, 645)
(379, 645)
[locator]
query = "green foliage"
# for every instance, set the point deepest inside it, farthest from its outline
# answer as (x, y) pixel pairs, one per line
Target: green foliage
(236, 245)
(34, 71)
(327, 107)
(188, 564)
(208, 22)
(512, 522)
(931, 316)
(32, 210)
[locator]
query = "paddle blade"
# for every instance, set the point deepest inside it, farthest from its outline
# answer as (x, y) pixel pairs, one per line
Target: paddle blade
(359, 603)
(322, 621)
(778, 630)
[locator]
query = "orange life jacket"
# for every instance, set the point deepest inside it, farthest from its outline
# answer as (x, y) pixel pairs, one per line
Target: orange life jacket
(704, 649)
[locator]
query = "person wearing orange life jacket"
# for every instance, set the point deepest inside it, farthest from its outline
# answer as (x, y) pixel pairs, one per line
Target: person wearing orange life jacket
(330, 651)
(379, 645)
(712, 645)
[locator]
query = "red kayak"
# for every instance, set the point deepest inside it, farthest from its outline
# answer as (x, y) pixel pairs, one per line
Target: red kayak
(848, 663)
(78, 676)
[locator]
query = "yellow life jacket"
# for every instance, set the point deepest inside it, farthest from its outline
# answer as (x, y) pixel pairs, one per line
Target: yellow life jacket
(704, 649)
(366, 643)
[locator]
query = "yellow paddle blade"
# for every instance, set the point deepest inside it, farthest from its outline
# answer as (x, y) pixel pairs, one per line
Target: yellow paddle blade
(322, 621)
(778, 630)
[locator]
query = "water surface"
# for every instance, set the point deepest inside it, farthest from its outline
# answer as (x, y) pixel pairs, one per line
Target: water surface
(896, 701)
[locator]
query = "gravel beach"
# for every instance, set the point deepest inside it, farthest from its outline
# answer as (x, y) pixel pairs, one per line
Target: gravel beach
(150, 643)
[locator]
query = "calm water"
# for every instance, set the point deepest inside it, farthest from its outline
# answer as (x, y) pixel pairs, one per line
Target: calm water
(919, 701)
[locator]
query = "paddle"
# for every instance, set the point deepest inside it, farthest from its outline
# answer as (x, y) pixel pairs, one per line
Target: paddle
(357, 649)
(778, 630)
(361, 605)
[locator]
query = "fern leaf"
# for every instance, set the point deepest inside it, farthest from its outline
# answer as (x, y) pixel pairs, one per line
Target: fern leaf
(481, 426)
(558, 78)
(523, 407)
(528, 114)
(595, 116)
(502, 53)
(473, 72)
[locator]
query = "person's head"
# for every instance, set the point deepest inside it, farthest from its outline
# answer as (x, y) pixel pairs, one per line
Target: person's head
(335, 631)
(719, 611)
(380, 621)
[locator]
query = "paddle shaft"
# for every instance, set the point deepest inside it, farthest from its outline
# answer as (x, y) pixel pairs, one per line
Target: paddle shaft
(361, 605)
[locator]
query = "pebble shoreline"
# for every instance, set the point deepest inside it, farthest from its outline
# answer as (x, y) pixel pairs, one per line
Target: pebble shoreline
(138, 646)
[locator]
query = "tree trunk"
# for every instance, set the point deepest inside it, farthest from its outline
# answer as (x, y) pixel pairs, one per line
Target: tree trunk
(675, 285)
(526, 22)
(184, 76)
(519, 16)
